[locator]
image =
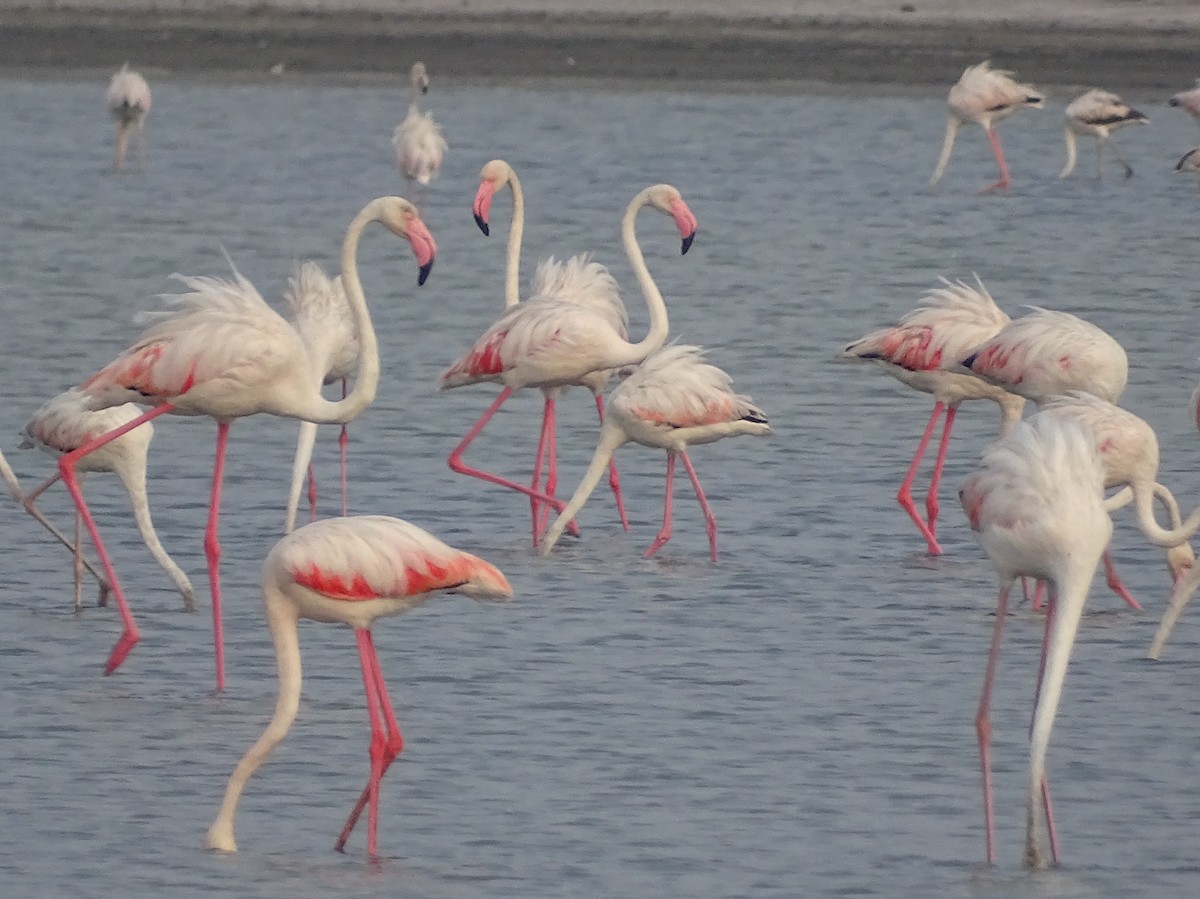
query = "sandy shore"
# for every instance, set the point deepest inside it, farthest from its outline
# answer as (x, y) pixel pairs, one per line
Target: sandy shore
(1122, 44)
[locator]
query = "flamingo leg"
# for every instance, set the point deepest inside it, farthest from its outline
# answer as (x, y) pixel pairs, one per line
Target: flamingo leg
(539, 460)
(1111, 144)
(78, 560)
(122, 140)
(931, 498)
(551, 485)
(983, 725)
(904, 495)
(312, 493)
(457, 464)
(386, 743)
(66, 469)
(1005, 180)
(212, 551)
(614, 480)
(1115, 584)
(343, 452)
(664, 533)
(710, 520)
(1047, 808)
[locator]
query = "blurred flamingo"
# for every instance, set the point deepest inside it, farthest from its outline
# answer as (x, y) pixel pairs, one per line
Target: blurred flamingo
(417, 141)
(128, 102)
(223, 352)
(352, 571)
(1097, 114)
(1188, 100)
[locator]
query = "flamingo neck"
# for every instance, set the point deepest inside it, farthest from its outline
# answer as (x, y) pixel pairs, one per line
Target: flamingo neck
(636, 353)
(1143, 504)
(516, 233)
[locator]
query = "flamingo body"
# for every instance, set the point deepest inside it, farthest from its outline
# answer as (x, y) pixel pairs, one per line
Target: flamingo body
(1097, 114)
(1188, 100)
(417, 142)
(350, 571)
(128, 102)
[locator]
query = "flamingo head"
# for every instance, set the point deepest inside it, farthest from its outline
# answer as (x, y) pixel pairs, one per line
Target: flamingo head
(667, 199)
(1180, 560)
(401, 218)
(495, 175)
(419, 77)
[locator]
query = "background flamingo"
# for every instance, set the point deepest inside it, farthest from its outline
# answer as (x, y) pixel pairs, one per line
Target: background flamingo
(225, 353)
(1189, 164)
(321, 315)
(922, 351)
(1188, 100)
(350, 570)
(548, 342)
(674, 399)
(1097, 114)
(985, 96)
(1038, 507)
(417, 141)
(128, 102)
(578, 280)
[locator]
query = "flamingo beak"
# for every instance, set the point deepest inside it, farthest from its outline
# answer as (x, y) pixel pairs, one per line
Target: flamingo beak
(685, 222)
(423, 247)
(483, 203)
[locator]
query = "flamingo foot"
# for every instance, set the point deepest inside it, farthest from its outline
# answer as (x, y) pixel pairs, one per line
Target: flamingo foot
(120, 652)
(1002, 184)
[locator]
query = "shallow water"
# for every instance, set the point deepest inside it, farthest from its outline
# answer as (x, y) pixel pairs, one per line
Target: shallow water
(795, 720)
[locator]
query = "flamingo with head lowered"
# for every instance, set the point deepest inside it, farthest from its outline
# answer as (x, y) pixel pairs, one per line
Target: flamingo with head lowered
(224, 353)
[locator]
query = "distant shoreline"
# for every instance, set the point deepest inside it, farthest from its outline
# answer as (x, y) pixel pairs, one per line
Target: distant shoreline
(652, 49)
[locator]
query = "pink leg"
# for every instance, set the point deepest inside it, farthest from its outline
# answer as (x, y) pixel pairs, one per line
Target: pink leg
(710, 520)
(931, 498)
(1039, 591)
(385, 746)
(312, 494)
(539, 460)
(664, 533)
(343, 452)
(66, 469)
(457, 464)
(983, 725)
(1004, 181)
(1114, 582)
(614, 481)
(78, 562)
(904, 496)
(212, 551)
(551, 486)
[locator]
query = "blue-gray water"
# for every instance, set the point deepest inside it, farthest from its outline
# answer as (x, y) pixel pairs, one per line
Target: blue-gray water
(795, 720)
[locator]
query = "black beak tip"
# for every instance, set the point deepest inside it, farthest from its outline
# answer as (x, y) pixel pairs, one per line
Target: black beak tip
(687, 243)
(423, 272)
(424, 88)
(483, 225)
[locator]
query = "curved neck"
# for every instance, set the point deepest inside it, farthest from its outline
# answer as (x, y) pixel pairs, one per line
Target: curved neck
(952, 124)
(516, 233)
(659, 324)
(282, 620)
(611, 437)
(1143, 504)
(1069, 139)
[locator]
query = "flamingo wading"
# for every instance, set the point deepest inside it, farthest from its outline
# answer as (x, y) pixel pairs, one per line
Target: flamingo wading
(417, 142)
(128, 102)
(1097, 114)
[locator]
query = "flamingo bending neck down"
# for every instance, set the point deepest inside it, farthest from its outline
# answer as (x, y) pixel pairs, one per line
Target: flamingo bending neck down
(673, 400)
(1097, 114)
(1037, 505)
(352, 571)
(128, 102)
(225, 353)
(578, 280)
(548, 342)
(985, 96)
(922, 350)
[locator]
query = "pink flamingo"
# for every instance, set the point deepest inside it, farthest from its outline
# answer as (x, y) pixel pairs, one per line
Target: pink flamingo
(578, 280)
(65, 423)
(548, 342)
(352, 571)
(321, 314)
(1188, 100)
(922, 350)
(417, 141)
(985, 96)
(225, 353)
(1097, 114)
(1037, 506)
(128, 102)
(673, 400)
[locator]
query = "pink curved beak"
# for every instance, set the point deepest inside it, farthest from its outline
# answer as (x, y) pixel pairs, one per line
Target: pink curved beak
(423, 247)
(685, 222)
(483, 204)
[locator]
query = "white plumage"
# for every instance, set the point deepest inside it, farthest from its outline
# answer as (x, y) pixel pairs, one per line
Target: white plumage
(1097, 114)
(128, 102)
(417, 142)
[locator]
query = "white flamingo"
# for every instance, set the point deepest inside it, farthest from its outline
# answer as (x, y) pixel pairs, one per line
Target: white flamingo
(128, 102)
(417, 141)
(1188, 100)
(1097, 114)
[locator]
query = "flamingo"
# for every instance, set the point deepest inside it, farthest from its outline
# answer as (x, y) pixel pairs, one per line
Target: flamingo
(352, 571)
(920, 351)
(128, 102)
(65, 423)
(1188, 101)
(673, 400)
(225, 353)
(1189, 163)
(1037, 505)
(578, 280)
(549, 342)
(321, 314)
(1098, 113)
(417, 141)
(985, 96)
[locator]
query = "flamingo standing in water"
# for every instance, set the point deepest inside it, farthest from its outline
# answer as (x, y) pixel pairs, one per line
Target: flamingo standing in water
(985, 96)
(1189, 164)
(578, 280)
(921, 350)
(321, 314)
(549, 342)
(1097, 114)
(352, 571)
(673, 400)
(1037, 505)
(225, 353)
(417, 141)
(1188, 100)
(128, 102)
